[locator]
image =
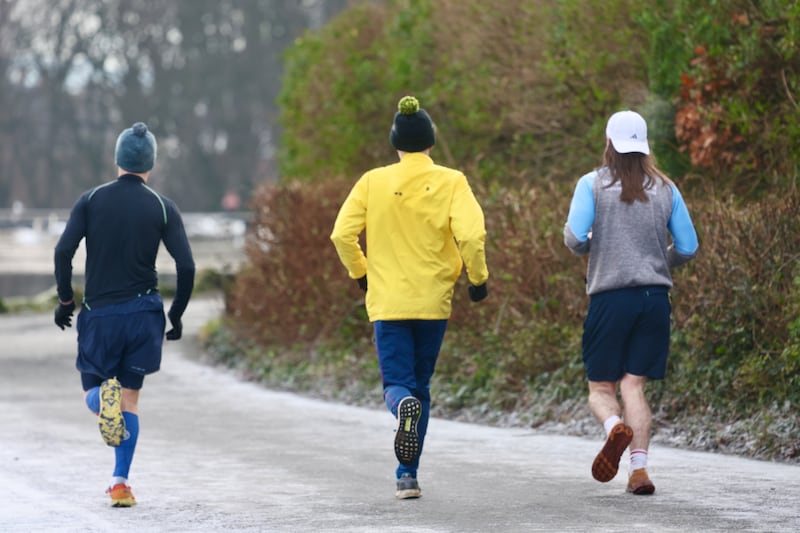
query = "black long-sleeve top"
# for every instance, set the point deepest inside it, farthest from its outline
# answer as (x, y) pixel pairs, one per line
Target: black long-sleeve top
(124, 222)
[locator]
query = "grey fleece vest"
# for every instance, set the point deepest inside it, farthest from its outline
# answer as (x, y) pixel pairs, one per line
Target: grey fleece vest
(629, 244)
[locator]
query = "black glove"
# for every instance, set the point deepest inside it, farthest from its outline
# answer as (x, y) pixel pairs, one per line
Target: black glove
(64, 314)
(177, 327)
(362, 282)
(478, 292)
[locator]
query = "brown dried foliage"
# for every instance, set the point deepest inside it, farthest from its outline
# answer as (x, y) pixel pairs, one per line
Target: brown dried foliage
(736, 114)
(532, 274)
(701, 123)
(293, 288)
(743, 272)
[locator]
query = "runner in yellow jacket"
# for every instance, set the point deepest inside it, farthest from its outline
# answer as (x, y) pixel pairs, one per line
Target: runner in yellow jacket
(423, 225)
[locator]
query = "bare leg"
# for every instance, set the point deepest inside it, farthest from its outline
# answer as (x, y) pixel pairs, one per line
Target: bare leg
(637, 410)
(603, 400)
(639, 417)
(603, 404)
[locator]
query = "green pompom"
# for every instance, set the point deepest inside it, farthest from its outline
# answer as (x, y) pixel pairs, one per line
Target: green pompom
(408, 105)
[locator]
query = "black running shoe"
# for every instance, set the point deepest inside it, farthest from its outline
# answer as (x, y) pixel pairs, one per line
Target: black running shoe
(406, 439)
(407, 487)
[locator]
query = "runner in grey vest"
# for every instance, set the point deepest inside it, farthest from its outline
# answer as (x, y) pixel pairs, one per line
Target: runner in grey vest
(624, 216)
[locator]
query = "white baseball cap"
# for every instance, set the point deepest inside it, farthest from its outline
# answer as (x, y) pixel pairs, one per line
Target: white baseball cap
(627, 131)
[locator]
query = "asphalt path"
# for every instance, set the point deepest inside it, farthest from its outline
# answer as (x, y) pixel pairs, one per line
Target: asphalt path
(217, 453)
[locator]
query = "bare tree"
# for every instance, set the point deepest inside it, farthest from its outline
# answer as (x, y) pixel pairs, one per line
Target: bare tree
(203, 74)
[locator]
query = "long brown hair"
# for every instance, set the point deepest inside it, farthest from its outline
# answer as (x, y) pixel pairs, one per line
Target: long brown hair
(637, 172)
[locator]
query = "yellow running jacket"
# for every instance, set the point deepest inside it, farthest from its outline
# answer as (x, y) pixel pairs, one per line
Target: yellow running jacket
(421, 219)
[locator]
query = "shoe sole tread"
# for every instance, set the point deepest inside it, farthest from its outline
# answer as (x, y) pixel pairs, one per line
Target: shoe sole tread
(406, 440)
(408, 494)
(606, 464)
(110, 419)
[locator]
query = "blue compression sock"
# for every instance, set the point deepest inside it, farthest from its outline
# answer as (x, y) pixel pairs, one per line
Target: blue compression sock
(124, 452)
(93, 400)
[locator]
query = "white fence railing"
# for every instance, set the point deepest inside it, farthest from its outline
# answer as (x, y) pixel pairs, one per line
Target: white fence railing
(28, 239)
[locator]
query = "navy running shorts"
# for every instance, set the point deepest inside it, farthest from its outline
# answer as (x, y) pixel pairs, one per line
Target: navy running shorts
(121, 340)
(627, 331)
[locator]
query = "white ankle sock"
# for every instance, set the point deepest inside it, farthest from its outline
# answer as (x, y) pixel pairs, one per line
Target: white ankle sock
(638, 459)
(610, 422)
(116, 480)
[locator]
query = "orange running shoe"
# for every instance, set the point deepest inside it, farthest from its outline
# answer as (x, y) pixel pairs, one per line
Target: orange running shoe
(121, 495)
(606, 463)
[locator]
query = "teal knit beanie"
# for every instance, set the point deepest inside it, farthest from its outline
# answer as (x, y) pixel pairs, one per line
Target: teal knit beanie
(136, 149)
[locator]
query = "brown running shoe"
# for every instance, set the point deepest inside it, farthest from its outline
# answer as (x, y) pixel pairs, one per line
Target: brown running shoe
(639, 482)
(606, 463)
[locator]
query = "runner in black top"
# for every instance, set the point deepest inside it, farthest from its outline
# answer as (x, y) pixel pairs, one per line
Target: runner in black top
(121, 324)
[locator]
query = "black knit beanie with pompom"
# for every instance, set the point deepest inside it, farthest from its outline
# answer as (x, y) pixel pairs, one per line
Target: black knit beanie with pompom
(412, 129)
